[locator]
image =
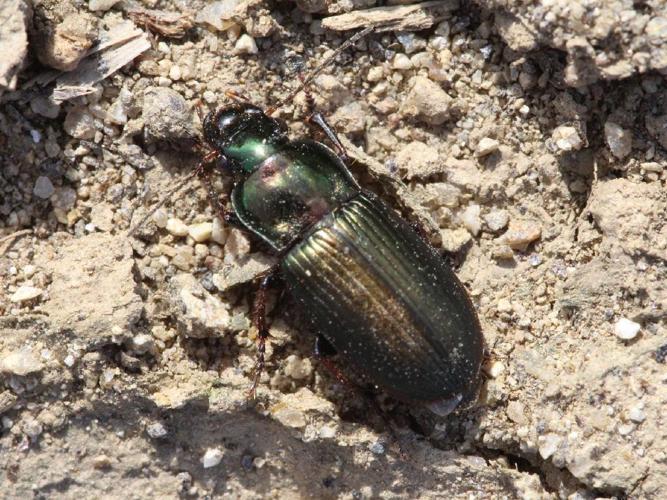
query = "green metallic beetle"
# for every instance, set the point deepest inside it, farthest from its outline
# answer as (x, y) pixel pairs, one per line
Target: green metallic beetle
(375, 293)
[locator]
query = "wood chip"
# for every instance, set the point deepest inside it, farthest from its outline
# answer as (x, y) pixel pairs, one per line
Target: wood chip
(116, 48)
(394, 17)
(165, 23)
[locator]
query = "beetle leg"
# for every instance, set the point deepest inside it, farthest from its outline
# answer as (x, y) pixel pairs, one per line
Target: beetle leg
(218, 202)
(259, 320)
(324, 351)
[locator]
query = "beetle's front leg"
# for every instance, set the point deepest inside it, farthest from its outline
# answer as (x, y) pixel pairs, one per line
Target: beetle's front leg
(218, 202)
(259, 321)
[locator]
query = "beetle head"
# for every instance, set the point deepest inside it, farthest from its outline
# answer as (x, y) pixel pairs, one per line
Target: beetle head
(243, 133)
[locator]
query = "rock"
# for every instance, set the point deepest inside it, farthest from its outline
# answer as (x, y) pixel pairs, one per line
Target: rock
(486, 146)
(177, 227)
(548, 445)
(156, 430)
(350, 118)
(62, 38)
(167, 117)
(496, 220)
(245, 45)
(464, 174)
(15, 16)
(92, 294)
(618, 139)
(79, 123)
(453, 240)
(244, 270)
(298, 368)
(101, 5)
(471, 220)
(626, 329)
(401, 62)
(199, 314)
(25, 293)
(427, 102)
(43, 188)
(418, 160)
(201, 232)
(636, 414)
(516, 412)
(567, 138)
(519, 35)
(20, 362)
(218, 232)
(211, 458)
(521, 233)
(237, 245)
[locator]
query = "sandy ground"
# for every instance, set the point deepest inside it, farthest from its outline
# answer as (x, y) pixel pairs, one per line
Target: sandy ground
(531, 143)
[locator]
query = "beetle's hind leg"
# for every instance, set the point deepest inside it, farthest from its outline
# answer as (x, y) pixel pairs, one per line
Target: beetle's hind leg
(259, 321)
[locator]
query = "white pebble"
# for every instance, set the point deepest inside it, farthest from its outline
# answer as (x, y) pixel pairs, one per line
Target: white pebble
(567, 138)
(160, 218)
(496, 369)
(175, 73)
(24, 293)
(218, 233)
(626, 329)
(69, 361)
(471, 220)
(636, 414)
(548, 445)
(177, 227)
(618, 139)
(486, 146)
(401, 61)
(211, 458)
(21, 362)
(201, 232)
(156, 430)
(246, 45)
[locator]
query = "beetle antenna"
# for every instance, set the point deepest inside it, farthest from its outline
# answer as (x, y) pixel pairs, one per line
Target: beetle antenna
(305, 81)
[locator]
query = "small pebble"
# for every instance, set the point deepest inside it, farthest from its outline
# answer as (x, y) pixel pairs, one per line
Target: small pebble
(21, 362)
(376, 448)
(245, 45)
(25, 293)
(521, 234)
(567, 138)
(177, 227)
(69, 361)
(625, 429)
(201, 232)
(486, 146)
(626, 329)
(636, 414)
(496, 369)
(471, 220)
(43, 188)
(297, 368)
(549, 444)
(211, 458)
(618, 139)
(218, 233)
(327, 432)
(401, 62)
(160, 218)
(496, 219)
(156, 430)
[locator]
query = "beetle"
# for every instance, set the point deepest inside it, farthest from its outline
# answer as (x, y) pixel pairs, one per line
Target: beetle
(372, 290)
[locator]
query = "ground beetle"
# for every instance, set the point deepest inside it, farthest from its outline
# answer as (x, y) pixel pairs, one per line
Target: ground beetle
(375, 293)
